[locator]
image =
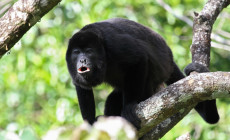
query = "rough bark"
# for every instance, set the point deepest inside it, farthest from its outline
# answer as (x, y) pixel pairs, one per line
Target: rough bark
(19, 19)
(161, 129)
(184, 93)
(202, 29)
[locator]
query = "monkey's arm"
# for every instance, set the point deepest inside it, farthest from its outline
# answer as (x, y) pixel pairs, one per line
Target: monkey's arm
(87, 104)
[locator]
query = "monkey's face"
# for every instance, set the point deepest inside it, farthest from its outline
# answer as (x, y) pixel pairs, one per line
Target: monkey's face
(86, 59)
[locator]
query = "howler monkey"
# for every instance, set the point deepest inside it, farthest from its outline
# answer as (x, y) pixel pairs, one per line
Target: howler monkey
(129, 56)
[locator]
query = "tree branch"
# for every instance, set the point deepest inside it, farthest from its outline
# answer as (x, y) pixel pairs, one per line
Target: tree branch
(220, 46)
(19, 19)
(161, 129)
(152, 114)
(202, 29)
(173, 99)
(4, 6)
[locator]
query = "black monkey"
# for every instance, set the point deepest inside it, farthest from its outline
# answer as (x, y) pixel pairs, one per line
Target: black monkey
(207, 109)
(129, 56)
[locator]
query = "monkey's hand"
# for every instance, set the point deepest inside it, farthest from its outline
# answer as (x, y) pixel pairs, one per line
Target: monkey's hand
(195, 67)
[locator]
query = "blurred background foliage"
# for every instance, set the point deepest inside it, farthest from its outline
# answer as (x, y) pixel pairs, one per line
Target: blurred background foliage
(36, 90)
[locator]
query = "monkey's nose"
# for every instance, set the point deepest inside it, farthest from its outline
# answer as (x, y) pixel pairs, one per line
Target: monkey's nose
(83, 61)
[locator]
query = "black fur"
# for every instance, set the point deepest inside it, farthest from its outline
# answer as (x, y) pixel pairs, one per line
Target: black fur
(129, 56)
(207, 109)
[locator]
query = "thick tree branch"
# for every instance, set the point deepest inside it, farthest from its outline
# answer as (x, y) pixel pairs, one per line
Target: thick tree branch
(202, 29)
(184, 93)
(19, 19)
(161, 129)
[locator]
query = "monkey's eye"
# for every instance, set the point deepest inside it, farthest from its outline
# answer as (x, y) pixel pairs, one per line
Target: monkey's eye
(76, 51)
(89, 50)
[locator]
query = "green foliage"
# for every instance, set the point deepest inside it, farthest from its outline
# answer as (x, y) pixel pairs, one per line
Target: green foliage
(36, 90)
(28, 134)
(25, 134)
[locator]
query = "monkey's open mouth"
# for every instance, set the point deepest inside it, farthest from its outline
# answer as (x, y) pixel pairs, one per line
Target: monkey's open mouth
(83, 69)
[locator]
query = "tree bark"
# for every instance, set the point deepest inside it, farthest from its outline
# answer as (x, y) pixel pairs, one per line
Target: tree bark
(161, 129)
(19, 19)
(184, 93)
(202, 29)
(200, 49)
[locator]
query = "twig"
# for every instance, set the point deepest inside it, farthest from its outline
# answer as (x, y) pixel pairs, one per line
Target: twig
(190, 23)
(170, 10)
(220, 46)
